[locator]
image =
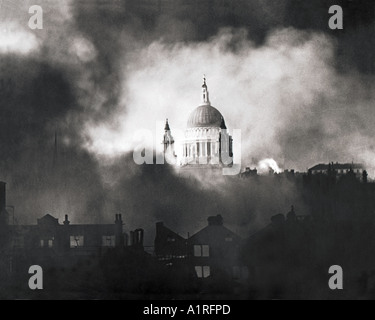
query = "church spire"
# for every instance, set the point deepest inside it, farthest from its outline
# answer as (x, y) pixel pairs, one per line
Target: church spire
(206, 98)
(168, 142)
(167, 128)
(168, 139)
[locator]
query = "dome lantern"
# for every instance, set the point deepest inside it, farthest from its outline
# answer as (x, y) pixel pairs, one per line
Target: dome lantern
(206, 98)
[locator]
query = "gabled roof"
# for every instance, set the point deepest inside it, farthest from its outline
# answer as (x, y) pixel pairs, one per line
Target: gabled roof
(164, 232)
(213, 232)
(48, 220)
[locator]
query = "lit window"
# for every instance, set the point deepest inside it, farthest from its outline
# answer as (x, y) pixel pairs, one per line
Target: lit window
(197, 251)
(199, 271)
(47, 242)
(203, 272)
(76, 241)
(206, 271)
(108, 241)
(201, 251)
(205, 251)
(170, 239)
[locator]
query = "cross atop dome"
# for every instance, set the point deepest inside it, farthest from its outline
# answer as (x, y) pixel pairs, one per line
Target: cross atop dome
(206, 99)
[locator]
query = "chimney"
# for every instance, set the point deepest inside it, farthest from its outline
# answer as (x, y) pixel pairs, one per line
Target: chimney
(126, 240)
(159, 227)
(215, 221)
(160, 232)
(66, 221)
(139, 235)
(2, 196)
(132, 240)
(118, 219)
(119, 237)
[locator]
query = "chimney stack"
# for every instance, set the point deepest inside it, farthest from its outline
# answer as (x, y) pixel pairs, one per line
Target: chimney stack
(138, 237)
(118, 218)
(215, 221)
(119, 237)
(159, 227)
(66, 221)
(132, 238)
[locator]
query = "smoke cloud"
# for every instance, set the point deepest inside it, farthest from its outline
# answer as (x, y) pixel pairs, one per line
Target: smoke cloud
(285, 96)
(100, 71)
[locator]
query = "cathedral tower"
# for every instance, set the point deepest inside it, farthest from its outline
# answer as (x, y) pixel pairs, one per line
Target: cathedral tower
(168, 143)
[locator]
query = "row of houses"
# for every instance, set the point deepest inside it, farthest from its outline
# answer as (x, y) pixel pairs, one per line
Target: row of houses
(336, 169)
(49, 234)
(211, 254)
(62, 238)
(214, 259)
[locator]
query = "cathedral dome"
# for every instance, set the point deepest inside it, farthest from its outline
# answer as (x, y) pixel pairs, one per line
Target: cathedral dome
(207, 141)
(206, 116)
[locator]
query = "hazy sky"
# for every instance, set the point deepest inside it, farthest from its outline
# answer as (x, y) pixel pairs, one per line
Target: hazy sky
(100, 71)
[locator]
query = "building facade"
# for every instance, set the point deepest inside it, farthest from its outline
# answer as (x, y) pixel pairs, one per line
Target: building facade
(211, 254)
(339, 169)
(207, 143)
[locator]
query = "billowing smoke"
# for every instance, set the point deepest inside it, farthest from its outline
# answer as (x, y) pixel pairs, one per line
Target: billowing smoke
(286, 97)
(268, 165)
(100, 71)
